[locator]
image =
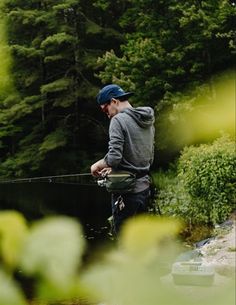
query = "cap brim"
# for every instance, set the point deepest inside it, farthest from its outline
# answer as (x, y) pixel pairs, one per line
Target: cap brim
(125, 95)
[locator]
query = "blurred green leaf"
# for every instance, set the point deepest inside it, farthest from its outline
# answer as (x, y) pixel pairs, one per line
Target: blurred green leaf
(53, 251)
(13, 231)
(10, 294)
(142, 237)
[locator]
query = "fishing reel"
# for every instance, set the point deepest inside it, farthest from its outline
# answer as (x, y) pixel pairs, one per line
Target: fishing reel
(101, 181)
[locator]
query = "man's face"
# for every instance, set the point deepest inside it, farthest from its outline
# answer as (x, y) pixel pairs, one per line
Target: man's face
(111, 108)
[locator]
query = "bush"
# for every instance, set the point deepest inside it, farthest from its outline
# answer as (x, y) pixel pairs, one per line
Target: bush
(208, 174)
(172, 198)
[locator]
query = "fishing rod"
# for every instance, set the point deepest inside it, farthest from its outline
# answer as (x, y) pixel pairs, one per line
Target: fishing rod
(70, 178)
(74, 179)
(60, 178)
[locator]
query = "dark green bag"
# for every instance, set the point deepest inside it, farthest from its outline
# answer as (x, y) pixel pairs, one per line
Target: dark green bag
(120, 182)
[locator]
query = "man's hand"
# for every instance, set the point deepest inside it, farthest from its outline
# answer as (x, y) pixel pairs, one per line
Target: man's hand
(96, 168)
(105, 171)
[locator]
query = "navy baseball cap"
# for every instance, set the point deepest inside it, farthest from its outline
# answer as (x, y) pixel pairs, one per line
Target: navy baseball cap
(112, 91)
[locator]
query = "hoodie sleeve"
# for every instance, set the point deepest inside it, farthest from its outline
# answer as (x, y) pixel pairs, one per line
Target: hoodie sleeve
(116, 144)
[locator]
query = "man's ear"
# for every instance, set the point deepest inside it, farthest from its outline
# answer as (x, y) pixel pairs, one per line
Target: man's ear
(115, 101)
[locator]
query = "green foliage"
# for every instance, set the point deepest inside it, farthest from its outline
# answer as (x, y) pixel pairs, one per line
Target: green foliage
(173, 198)
(196, 116)
(10, 292)
(104, 4)
(53, 140)
(6, 83)
(9, 130)
(50, 251)
(51, 254)
(202, 188)
(54, 45)
(209, 176)
(22, 51)
(170, 45)
(13, 230)
(17, 111)
(140, 55)
(22, 163)
(56, 86)
(58, 39)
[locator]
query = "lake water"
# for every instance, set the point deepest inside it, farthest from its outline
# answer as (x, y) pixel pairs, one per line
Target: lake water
(90, 204)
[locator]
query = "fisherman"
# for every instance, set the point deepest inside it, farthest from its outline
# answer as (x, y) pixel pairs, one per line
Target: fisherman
(131, 148)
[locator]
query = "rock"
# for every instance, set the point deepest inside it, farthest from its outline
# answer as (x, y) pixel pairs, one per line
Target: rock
(221, 252)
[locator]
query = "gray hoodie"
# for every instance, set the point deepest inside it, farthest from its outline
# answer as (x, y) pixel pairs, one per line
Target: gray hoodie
(131, 144)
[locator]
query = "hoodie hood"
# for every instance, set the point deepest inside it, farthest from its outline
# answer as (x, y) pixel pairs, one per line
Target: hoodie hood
(144, 116)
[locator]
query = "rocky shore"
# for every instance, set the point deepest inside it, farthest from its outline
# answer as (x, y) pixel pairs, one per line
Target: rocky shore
(221, 250)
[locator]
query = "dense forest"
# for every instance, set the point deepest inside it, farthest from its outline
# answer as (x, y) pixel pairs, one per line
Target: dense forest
(56, 54)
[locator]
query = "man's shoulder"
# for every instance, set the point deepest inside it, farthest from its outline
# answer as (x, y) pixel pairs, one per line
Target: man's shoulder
(119, 121)
(119, 117)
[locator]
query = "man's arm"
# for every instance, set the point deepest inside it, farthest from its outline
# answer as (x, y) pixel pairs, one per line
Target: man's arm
(115, 151)
(116, 143)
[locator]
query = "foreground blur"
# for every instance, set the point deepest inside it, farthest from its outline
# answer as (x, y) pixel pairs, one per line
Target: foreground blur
(133, 272)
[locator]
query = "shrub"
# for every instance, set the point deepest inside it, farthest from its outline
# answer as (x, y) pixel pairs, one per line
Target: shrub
(172, 198)
(208, 174)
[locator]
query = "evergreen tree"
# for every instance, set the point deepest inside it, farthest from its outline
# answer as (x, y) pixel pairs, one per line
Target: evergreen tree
(170, 45)
(55, 45)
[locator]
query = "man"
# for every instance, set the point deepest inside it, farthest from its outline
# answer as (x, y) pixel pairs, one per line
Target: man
(131, 147)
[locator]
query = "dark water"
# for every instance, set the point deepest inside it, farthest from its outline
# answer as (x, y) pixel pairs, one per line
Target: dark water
(89, 204)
